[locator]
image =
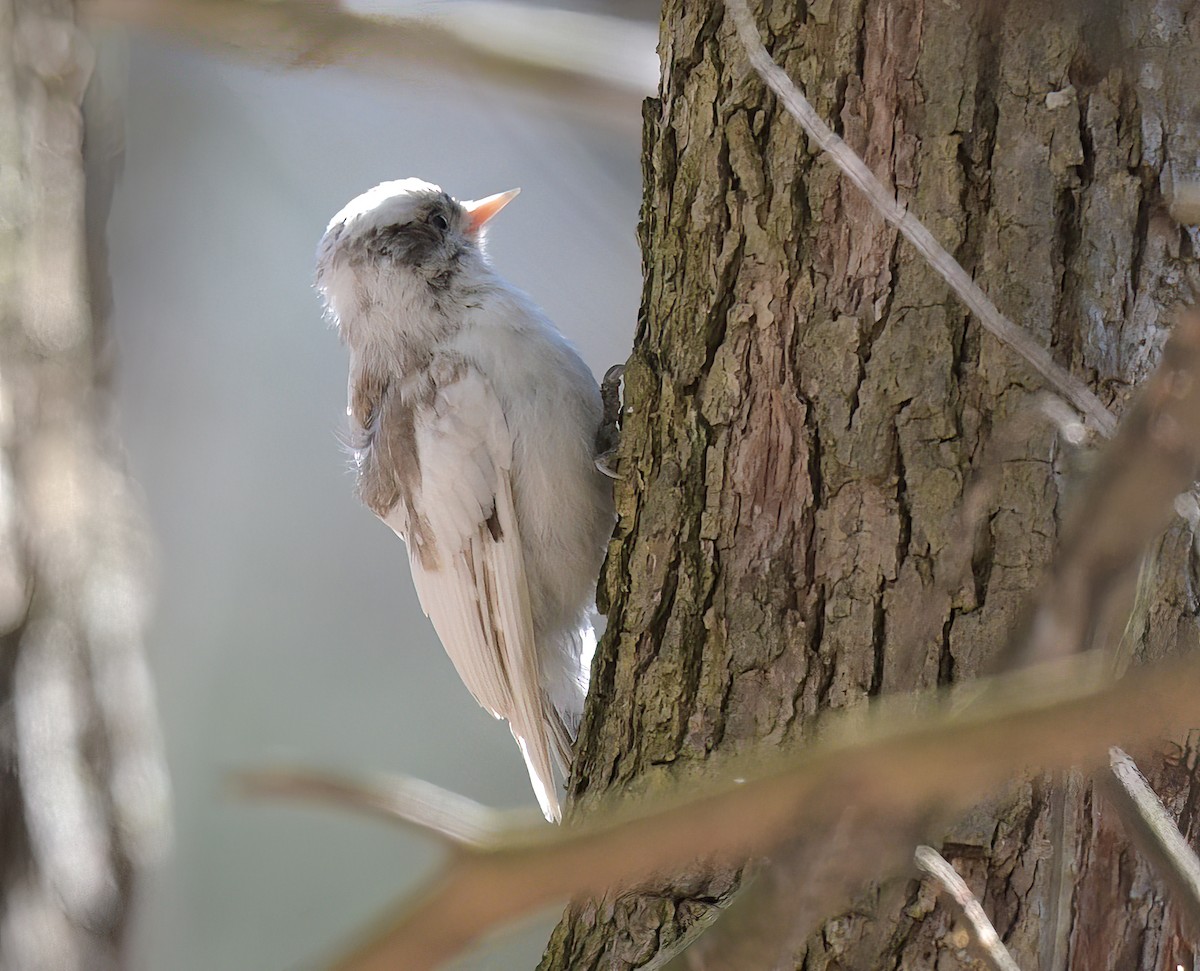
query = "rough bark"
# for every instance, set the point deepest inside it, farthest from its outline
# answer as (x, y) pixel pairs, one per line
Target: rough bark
(808, 407)
(82, 786)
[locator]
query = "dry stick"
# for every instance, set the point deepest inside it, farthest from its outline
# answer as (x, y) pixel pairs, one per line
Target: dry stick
(938, 867)
(445, 817)
(1155, 834)
(856, 170)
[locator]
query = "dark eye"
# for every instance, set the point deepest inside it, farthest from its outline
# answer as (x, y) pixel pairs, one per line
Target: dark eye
(440, 221)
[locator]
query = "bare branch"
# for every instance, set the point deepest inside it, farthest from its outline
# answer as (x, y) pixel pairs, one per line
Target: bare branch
(891, 761)
(1155, 834)
(898, 762)
(444, 816)
(1020, 340)
(602, 65)
(938, 867)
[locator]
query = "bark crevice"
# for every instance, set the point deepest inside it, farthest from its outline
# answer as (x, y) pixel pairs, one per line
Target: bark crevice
(824, 406)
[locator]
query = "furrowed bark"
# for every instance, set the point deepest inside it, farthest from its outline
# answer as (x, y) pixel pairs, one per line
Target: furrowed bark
(808, 406)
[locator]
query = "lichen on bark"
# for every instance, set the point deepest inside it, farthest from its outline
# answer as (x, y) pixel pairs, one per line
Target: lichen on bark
(808, 404)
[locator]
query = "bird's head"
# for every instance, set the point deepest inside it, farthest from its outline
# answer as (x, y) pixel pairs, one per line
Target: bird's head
(406, 240)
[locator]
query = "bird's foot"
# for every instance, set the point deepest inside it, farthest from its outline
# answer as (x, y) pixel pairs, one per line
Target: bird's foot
(608, 436)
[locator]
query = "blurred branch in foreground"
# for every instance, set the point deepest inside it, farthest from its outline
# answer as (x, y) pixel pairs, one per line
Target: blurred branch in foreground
(83, 787)
(902, 764)
(893, 764)
(601, 66)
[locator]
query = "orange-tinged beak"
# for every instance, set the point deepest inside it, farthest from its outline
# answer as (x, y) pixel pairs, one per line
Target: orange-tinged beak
(481, 211)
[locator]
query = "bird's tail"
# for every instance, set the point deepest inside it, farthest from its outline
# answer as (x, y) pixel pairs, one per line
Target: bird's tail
(541, 776)
(563, 697)
(562, 738)
(548, 759)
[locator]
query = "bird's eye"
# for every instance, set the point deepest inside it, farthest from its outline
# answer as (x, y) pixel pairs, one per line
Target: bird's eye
(439, 221)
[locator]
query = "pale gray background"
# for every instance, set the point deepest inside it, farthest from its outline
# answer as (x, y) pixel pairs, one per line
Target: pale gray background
(286, 628)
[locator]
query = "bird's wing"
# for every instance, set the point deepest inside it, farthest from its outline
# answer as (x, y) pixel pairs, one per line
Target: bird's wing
(464, 543)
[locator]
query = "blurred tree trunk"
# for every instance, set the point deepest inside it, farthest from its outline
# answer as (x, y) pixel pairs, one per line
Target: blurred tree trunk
(82, 785)
(809, 404)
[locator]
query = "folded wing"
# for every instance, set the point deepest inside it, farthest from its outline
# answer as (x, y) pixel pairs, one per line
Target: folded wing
(464, 544)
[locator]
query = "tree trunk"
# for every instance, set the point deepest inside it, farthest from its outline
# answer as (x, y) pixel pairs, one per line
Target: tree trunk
(809, 405)
(82, 786)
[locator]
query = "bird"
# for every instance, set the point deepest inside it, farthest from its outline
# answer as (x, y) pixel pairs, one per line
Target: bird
(473, 424)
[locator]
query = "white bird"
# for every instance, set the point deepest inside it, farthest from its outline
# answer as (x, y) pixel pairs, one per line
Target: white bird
(474, 427)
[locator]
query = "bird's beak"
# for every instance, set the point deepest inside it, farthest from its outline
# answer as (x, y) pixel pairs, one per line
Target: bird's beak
(481, 211)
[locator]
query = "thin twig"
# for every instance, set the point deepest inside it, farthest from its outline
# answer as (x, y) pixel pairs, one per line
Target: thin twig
(453, 820)
(1155, 834)
(937, 866)
(856, 170)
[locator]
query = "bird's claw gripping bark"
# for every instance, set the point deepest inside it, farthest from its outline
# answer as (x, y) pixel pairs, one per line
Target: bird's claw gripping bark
(608, 436)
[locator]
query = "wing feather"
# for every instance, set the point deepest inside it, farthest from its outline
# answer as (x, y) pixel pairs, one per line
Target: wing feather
(475, 589)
